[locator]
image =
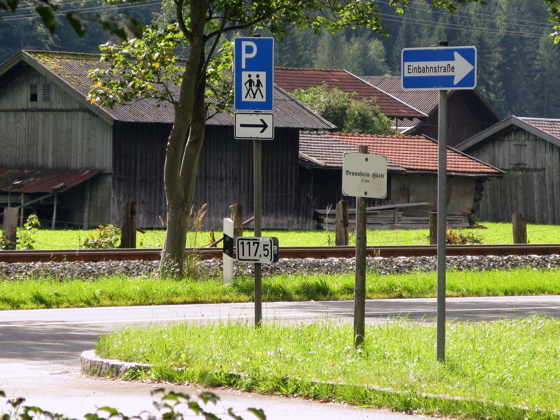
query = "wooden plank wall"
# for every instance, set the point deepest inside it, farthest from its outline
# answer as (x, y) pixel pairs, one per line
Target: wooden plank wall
(531, 183)
(225, 176)
(464, 121)
(58, 134)
(138, 171)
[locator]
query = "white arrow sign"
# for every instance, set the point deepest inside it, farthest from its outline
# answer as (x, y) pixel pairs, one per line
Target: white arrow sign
(254, 126)
(458, 68)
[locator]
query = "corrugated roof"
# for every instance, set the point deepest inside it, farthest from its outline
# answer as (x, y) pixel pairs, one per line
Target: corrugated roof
(550, 126)
(37, 181)
(291, 79)
(410, 153)
(72, 69)
(546, 129)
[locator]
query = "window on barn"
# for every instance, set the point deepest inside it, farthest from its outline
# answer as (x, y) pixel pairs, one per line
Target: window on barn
(33, 93)
(46, 93)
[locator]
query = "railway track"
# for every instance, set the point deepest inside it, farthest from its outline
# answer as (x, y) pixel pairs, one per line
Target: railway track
(93, 255)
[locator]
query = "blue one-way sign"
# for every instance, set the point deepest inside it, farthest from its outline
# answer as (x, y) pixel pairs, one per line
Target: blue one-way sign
(438, 68)
(254, 74)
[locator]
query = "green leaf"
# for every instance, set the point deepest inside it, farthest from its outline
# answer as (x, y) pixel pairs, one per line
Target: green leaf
(135, 26)
(233, 415)
(47, 16)
(12, 4)
(257, 412)
(209, 396)
(77, 22)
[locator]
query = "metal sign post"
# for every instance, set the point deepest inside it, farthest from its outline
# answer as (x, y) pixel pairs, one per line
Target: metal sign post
(441, 228)
(254, 90)
(258, 211)
(440, 69)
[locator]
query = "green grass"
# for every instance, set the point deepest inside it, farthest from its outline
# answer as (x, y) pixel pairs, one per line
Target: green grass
(496, 233)
(511, 362)
(127, 291)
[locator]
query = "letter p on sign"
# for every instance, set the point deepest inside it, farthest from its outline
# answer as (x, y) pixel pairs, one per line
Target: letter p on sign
(244, 54)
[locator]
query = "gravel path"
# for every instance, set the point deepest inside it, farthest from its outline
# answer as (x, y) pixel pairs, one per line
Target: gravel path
(87, 271)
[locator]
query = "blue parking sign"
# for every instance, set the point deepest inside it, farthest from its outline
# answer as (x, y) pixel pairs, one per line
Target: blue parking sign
(254, 74)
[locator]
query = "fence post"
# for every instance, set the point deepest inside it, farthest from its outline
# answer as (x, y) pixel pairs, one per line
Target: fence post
(128, 227)
(433, 227)
(360, 291)
(11, 215)
(519, 227)
(229, 243)
(236, 214)
(342, 222)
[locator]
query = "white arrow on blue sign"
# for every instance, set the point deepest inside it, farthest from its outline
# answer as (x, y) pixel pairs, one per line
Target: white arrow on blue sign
(438, 68)
(254, 74)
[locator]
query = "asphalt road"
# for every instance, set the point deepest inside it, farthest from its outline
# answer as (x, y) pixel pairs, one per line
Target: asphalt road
(39, 349)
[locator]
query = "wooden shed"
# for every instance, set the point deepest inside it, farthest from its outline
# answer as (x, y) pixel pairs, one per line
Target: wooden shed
(47, 125)
(528, 150)
(469, 112)
(412, 170)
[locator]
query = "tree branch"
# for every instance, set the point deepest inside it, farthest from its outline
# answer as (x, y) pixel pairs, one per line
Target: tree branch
(181, 19)
(209, 56)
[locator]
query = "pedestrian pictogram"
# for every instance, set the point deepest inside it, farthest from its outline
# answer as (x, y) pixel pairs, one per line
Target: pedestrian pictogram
(254, 74)
(254, 83)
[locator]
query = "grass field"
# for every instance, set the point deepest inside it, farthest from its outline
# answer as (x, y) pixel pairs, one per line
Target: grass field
(496, 233)
(490, 368)
(128, 291)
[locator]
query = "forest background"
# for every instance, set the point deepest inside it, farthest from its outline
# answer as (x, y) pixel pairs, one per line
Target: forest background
(518, 65)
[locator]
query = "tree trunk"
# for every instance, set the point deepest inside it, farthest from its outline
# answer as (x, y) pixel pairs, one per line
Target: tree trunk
(181, 158)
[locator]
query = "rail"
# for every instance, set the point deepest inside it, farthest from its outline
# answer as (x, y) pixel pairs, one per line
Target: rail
(93, 255)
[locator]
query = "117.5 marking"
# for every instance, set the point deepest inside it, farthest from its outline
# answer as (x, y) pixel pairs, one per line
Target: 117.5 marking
(258, 250)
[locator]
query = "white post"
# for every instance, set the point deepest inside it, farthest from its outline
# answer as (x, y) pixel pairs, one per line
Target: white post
(228, 251)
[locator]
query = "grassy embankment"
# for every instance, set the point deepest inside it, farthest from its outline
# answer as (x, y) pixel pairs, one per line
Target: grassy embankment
(126, 291)
(508, 369)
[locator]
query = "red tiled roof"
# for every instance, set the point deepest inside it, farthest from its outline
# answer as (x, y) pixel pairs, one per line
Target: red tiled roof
(291, 79)
(322, 149)
(37, 181)
(550, 126)
(412, 153)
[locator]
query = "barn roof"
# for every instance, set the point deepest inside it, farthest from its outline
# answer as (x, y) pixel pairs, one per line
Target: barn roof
(295, 78)
(413, 154)
(546, 129)
(40, 181)
(70, 71)
(427, 100)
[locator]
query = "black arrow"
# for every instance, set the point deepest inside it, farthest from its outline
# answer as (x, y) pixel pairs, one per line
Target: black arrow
(264, 125)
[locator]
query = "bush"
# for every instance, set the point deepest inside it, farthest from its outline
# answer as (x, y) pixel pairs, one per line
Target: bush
(104, 237)
(454, 238)
(172, 406)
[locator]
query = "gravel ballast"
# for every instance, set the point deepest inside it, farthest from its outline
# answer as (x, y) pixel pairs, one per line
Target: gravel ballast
(394, 265)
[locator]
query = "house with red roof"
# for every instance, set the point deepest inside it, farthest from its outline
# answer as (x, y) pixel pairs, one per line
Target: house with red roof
(412, 172)
(468, 111)
(528, 150)
(291, 79)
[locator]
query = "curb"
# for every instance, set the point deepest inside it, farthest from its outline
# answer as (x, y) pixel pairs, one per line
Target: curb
(91, 364)
(404, 401)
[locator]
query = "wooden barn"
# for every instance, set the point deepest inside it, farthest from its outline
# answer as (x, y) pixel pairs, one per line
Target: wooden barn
(412, 169)
(528, 150)
(468, 112)
(47, 127)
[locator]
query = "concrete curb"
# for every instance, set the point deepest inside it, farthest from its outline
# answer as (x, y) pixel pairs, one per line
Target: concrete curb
(91, 364)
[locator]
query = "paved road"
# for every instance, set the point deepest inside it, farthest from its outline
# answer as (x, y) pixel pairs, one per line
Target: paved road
(39, 349)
